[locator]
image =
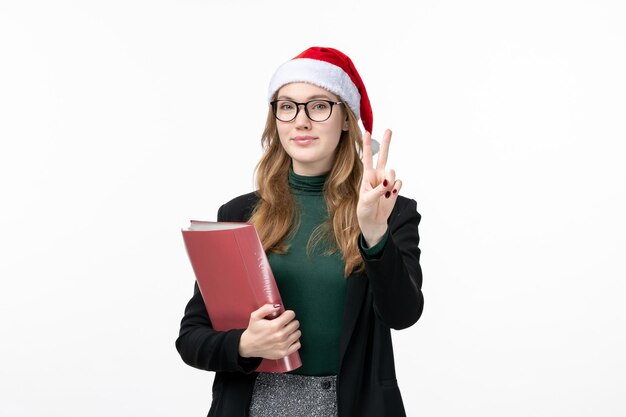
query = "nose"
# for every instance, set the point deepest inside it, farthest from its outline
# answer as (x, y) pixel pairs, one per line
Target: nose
(302, 121)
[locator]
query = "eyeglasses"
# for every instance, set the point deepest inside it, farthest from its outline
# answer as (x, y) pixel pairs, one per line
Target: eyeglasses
(316, 110)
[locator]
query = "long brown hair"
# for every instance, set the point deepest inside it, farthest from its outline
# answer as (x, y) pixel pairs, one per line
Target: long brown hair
(275, 215)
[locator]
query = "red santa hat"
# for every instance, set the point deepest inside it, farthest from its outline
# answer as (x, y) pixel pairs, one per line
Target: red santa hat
(332, 70)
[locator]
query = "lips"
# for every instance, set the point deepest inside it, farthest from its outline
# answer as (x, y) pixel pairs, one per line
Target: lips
(303, 140)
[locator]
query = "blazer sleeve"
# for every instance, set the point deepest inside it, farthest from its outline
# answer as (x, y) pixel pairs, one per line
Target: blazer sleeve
(395, 275)
(202, 347)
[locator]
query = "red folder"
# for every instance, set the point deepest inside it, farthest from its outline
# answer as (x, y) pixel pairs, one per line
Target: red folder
(234, 277)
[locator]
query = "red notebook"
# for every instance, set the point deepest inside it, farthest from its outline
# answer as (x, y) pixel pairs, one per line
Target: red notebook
(234, 277)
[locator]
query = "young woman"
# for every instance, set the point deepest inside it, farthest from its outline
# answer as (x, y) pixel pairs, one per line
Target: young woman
(343, 247)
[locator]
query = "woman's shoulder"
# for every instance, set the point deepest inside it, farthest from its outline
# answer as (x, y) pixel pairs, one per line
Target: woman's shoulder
(239, 208)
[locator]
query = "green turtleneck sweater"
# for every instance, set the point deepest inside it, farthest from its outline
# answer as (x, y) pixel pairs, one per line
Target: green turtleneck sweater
(313, 285)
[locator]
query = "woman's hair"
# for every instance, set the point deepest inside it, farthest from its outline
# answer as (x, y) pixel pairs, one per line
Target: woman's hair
(275, 216)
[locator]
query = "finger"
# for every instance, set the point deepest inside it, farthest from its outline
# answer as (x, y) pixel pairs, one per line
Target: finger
(265, 310)
(393, 188)
(294, 348)
(384, 150)
(286, 335)
(294, 337)
(292, 326)
(396, 188)
(284, 318)
(379, 191)
(389, 180)
(386, 184)
(367, 151)
(391, 196)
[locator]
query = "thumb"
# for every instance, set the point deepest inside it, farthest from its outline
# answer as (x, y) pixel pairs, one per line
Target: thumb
(266, 310)
(373, 196)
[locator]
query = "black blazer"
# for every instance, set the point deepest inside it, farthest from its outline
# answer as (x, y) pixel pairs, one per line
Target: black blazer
(386, 296)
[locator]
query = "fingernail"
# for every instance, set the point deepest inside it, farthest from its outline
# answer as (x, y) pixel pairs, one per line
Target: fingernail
(387, 194)
(385, 183)
(395, 191)
(276, 305)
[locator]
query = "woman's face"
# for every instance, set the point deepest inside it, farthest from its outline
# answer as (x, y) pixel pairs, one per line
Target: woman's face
(311, 145)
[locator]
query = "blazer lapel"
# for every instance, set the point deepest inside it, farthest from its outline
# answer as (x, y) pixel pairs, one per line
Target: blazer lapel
(355, 295)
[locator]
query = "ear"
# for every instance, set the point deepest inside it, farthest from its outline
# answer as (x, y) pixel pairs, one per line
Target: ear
(344, 127)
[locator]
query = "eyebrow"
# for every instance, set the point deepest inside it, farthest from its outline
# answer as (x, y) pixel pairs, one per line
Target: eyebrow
(314, 97)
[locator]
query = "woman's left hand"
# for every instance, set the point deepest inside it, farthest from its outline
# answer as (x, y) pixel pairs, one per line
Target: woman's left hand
(378, 193)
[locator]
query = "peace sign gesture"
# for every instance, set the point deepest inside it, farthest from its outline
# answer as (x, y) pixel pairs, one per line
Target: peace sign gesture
(378, 193)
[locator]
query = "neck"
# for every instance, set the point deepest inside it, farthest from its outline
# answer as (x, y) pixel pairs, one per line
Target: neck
(310, 170)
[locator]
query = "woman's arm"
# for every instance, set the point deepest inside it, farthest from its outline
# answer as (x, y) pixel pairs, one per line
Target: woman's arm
(395, 274)
(202, 347)
(390, 221)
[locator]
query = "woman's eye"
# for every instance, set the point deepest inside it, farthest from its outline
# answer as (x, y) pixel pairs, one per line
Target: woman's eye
(286, 106)
(319, 105)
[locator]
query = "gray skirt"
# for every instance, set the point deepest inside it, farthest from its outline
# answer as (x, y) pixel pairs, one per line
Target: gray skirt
(289, 395)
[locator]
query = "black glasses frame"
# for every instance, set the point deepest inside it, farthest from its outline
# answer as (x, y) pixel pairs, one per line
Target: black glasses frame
(331, 103)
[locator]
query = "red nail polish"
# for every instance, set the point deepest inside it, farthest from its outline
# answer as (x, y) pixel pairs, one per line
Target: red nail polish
(385, 183)
(387, 194)
(395, 191)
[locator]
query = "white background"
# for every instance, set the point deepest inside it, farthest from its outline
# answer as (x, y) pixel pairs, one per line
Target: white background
(122, 120)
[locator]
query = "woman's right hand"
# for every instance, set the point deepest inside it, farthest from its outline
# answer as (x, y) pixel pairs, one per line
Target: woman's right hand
(270, 339)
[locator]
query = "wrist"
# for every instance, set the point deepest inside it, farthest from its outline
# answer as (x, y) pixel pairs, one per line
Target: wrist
(243, 346)
(372, 236)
